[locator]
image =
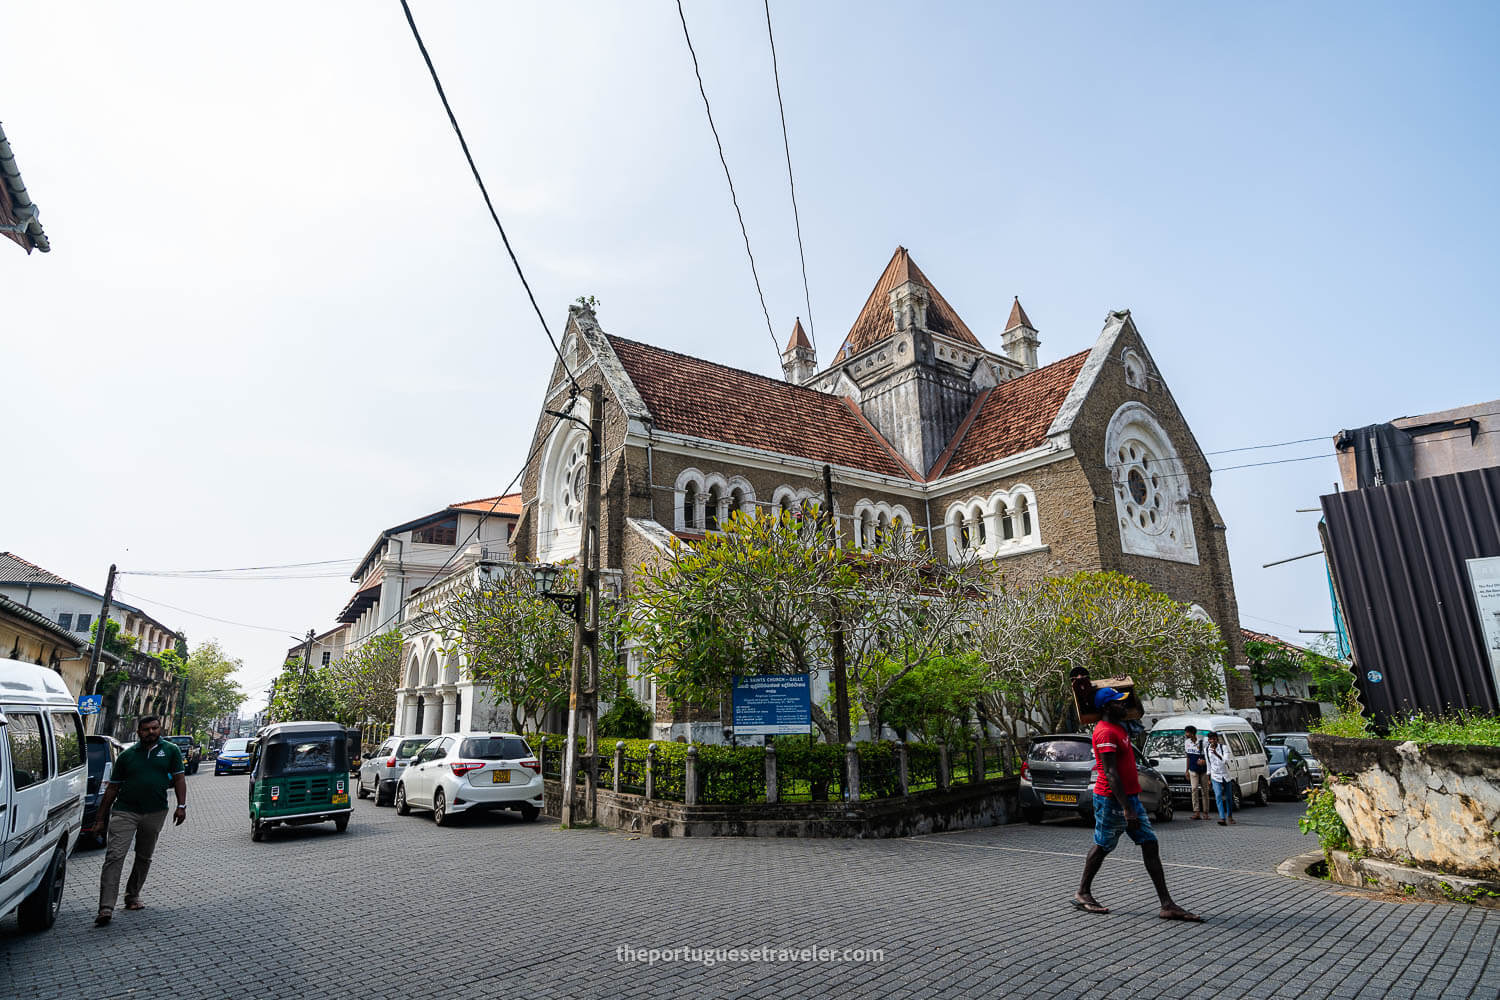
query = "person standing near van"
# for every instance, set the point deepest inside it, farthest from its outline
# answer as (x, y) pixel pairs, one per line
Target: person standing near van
(1222, 777)
(138, 784)
(1118, 809)
(1196, 752)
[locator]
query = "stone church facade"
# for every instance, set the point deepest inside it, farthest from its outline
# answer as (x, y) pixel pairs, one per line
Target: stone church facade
(1085, 463)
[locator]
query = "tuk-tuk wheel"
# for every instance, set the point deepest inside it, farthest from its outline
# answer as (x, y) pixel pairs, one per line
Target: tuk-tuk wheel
(341, 824)
(257, 830)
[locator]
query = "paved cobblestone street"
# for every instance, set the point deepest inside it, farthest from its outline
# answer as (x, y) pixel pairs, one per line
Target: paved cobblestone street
(397, 907)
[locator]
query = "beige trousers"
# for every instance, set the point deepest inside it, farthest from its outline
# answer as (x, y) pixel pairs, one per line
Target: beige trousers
(1201, 792)
(124, 827)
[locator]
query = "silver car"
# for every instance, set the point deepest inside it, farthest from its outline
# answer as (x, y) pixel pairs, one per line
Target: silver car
(1059, 773)
(379, 771)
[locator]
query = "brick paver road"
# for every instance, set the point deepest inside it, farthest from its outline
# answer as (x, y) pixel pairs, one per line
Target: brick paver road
(398, 908)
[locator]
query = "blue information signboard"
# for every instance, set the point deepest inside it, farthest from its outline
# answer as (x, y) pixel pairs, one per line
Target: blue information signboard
(90, 704)
(772, 704)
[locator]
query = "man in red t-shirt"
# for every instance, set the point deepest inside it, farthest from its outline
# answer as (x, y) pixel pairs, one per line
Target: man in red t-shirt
(1118, 809)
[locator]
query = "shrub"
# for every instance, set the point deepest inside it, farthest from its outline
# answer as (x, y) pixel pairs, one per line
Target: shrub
(1323, 820)
(1348, 722)
(626, 719)
(1461, 727)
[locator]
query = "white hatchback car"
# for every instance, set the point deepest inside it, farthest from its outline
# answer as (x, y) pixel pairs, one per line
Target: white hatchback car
(468, 772)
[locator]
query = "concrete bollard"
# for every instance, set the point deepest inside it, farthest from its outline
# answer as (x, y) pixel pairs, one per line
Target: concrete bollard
(903, 775)
(851, 786)
(773, 792)
(650, 772)
(943, 772)
(619, 763)
(690, 778)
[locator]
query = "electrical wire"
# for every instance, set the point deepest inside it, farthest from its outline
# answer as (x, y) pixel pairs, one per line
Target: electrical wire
(776, 344)
(231, 569)
(474, 169)
(199, 614)
(791, 181)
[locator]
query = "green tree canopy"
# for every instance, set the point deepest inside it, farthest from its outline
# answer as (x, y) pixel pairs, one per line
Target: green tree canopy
(1108, 623)
(209, 676)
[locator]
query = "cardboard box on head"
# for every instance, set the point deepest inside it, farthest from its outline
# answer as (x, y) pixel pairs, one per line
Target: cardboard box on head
(1083, 696)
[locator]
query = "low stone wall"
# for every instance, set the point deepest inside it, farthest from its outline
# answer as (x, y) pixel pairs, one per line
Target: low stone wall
(988, 803)
(1434, 806)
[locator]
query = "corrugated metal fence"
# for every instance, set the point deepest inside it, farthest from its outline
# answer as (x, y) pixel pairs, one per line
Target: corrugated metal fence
(1397, 554)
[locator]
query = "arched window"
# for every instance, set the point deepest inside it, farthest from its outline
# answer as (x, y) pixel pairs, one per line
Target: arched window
(1023, 515)
(963, 534)
(980, 535)
(867, 531)
(1007, 522)
(711, 510)
(1151, 487)
(690, 505)
(736, 500)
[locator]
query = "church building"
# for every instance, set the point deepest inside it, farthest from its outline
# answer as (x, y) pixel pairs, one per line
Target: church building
(1085, 463)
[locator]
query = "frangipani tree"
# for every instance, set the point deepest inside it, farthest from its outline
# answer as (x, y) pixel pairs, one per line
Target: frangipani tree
(1108, 623)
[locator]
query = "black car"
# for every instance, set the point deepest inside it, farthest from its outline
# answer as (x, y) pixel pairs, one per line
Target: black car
(1290, 775)
(192, 752)
(1058, 774)
(102, 751)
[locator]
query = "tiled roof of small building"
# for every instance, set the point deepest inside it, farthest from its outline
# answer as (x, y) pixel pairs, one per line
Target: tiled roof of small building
(688, 395)
(507, 505)
(1014, 416)
(875, 322)
(14, 569)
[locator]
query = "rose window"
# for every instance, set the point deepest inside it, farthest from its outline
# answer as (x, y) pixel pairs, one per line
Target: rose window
(1138, 480)
(574, 483)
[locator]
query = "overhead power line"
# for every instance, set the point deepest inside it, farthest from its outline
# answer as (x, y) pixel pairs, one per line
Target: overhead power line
(474, 169)
(233, 569)
(791, 181)
(200, 614)
(776, 344)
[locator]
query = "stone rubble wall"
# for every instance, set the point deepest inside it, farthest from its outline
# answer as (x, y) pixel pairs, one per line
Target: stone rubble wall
(1433, 806)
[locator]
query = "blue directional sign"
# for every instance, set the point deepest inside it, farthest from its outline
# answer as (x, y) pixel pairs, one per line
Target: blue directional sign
(772, 704)
(90, 704)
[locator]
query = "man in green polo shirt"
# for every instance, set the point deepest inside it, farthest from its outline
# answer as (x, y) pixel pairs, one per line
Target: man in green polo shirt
(138, 785)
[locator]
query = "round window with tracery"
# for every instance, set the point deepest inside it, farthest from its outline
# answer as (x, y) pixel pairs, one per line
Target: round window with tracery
(1138, 478)
(574, 482)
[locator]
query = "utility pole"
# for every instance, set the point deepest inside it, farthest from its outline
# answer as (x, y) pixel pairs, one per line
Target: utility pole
(305, 672)
(91, 682)
(840, 682)
(583, 681)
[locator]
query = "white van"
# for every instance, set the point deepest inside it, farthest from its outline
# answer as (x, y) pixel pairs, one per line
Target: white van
(1247, 756)
(43, 778)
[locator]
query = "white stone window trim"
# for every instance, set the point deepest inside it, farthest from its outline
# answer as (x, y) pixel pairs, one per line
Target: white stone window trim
(1137, 371)
(557, 536)
(985, 519)
(872, 518)
(1148, 478)
(706, 485)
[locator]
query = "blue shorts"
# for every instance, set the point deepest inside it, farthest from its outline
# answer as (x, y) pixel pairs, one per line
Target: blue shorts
(1109, 822)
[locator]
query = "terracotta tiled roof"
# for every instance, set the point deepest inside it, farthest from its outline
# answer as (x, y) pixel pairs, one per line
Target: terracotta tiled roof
(1253, 636)
(14, 569)
(875, 321)
(691, 396)
(1015, 415)
(1018, 317)
(508, 505)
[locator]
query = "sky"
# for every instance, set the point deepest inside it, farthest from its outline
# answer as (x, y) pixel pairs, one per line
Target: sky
(277, 318)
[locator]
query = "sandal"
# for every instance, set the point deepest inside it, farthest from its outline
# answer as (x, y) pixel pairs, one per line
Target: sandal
(103, 917)
(1090, 905)
(137, 905)
(1178, 913)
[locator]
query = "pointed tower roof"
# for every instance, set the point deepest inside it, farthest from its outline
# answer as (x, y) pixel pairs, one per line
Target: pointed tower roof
(799, 338)
(875, 322)
(1018, 317)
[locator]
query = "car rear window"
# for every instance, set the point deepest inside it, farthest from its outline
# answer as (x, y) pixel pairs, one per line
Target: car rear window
(409, 748)
(495, 748)
(234, 746)
(308, 755)
(1062, 751)
(98, 752)
(1275, 754)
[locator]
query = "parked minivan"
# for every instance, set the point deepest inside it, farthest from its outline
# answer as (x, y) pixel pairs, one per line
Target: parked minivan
(43, 778)
(1252, 777)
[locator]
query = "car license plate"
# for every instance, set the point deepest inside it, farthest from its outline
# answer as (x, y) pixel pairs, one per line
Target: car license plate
(1181, 788)
(341, 799)
(501, 777)
(1071, 800)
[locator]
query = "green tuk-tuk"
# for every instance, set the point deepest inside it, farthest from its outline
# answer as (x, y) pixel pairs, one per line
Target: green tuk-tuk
(299, 773)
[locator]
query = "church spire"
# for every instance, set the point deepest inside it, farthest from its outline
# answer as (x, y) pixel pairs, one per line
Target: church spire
(1020, 339)
(799, 361)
